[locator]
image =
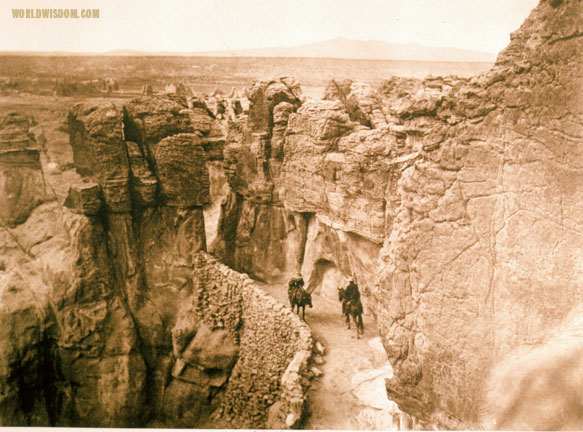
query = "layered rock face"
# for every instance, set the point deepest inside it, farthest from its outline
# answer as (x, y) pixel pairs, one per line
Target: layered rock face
(69, 347)
(456, 203)
(485, 248)
(253, 232)
(21, 178)
(106, 317)
(151, 170)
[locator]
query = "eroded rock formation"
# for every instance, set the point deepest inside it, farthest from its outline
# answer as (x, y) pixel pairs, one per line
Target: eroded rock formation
(455, 202)
(254, 226)
(21, 177)
(484, 251)
(106, 313)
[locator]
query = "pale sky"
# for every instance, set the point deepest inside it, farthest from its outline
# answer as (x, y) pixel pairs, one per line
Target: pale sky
(204, 25)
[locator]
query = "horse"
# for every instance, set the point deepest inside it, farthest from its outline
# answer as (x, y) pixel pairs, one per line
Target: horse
(301, 298)
(352, 308)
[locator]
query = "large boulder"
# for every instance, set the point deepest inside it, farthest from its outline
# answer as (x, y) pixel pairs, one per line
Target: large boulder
(211, 349)
(201, 368)
(84, 198)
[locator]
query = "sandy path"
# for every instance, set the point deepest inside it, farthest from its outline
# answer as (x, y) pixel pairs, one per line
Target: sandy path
(350, 392)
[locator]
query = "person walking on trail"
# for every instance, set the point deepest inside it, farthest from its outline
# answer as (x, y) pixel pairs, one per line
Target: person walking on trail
(352, 294)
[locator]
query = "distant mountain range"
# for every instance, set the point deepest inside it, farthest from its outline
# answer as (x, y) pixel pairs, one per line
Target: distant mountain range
(334, 48)
(358, 49)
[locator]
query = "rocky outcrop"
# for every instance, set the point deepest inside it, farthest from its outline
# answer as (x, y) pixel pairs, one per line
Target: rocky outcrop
(69, 351)
(482, 257)
(454, 202)
(98, 373)
(354, 103)
(96, 138)
(111, 293)
(148, 120)
(156, 224)
(264, 96)
(339, 171)
(181, 168)
(254, 225)
(20, 170)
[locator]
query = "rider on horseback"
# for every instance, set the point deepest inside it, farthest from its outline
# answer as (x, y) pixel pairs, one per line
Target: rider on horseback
(296, 281)
(352, 294)
(351, 305)
(298, 297)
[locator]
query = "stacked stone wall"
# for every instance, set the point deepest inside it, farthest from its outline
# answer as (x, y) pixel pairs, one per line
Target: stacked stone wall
(267, 385)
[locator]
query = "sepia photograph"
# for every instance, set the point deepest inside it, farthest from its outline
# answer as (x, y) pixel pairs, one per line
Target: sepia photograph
(291, 214)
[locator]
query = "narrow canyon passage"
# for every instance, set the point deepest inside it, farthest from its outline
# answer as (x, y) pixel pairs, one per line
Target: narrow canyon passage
(350, 393)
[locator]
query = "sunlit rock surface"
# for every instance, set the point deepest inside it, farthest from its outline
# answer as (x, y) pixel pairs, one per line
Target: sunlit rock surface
(106, 317)
(456, 203)
(21, 181)
(545, 374)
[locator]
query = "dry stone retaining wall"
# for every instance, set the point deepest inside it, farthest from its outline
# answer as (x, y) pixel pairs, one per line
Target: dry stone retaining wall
(275, 346)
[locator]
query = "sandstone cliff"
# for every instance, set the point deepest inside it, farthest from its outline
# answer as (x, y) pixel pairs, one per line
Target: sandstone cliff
(106, 316)
(485, 249)
(455, 202)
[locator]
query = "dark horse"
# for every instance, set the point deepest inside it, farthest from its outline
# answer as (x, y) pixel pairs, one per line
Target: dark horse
(301, 298)
(352, 308)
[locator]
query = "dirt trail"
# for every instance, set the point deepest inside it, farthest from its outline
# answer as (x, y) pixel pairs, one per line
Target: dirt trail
(350, 393)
